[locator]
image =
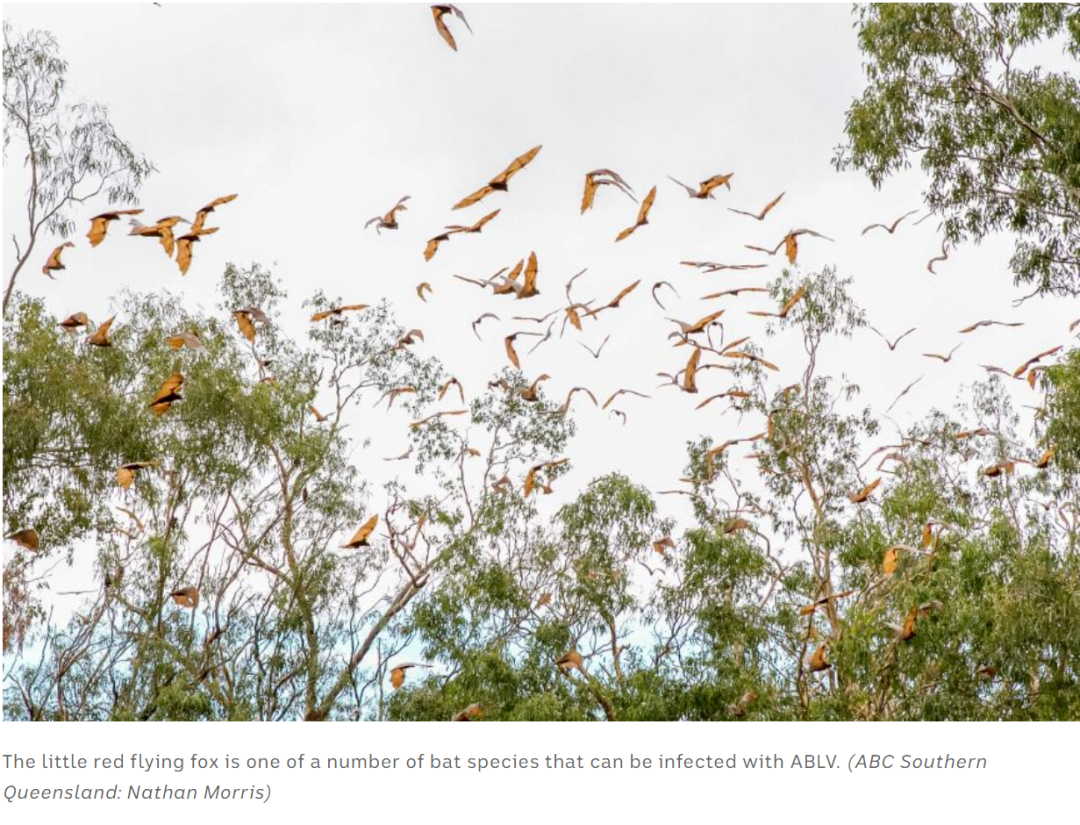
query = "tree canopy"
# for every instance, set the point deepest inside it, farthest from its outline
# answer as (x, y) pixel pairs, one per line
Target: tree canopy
(71, 151)
(950, 596)
(956, 88)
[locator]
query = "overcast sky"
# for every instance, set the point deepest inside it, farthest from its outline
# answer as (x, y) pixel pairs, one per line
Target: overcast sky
(321, 116)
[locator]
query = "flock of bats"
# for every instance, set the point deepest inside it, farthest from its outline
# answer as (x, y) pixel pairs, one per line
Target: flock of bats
(522, 283)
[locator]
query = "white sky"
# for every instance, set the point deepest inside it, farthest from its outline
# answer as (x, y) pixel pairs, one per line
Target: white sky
(321, 116)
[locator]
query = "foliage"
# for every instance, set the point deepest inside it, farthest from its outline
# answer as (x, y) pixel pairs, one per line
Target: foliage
(998, 138)
(244, 502)
(72, 153)
(1063, 414)
(720, 621)
(721, 625)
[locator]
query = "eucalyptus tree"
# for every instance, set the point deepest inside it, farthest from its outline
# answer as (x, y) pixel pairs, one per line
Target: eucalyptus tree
(525, 593)
(828, 570)
(243, 494)
(244, 490)
(1063, 413)
(831, 570)
(960, 88)
(70, 151)
(837, 572)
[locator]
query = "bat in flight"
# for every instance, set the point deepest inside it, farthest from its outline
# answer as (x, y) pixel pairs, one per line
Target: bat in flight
(245, 320)
(200, 215)
(890, 228)
(596, 353)
(864, 493)
(511, 352)
(162, 230)
(183, 246)
(706, 187)
(617, 393)
(904, 392)
(100, 336)
(789, 243)
(389, 220)
(360, 539)
(528, 288)
(659, 284)
(480, 320)
(783, 313)
(760, 216)
(169, 393)
(501, 182)
(700, 325)
(741, 394)
(892, 344)
(733, 292)
(603, 177)
(565, 408)
(945, 359)
(433, 244)
(979, 324)
(642, 216)
(710, 266)
(99, 224)
(186, 597)
(441, 10)
(397, 674)
(614, 302)
(126, 473)
(1034, 360)
(944, 256)
(27, 538)
(73, 322)
(530, 477)
(185, 339)
(531, 393)
(690, 373)
(54, 264)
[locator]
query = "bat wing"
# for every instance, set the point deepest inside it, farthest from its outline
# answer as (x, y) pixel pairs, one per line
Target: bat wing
(715, 182)
(362, 535)
(511, 353)
(433, 247)
(166, 240)
(460, 14)
(590, 193)
(689, 379)
(794, 299)
(791, 248)
(98, 227)
(183, 254)
(54, 260)
(531, 271)
(440, 26)
(484, 221)
(516, 166)
(475, 197)
(646, 206)
(689, 190)
(216, 202)
(770, 206)
(247, 328)
(626, 291)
